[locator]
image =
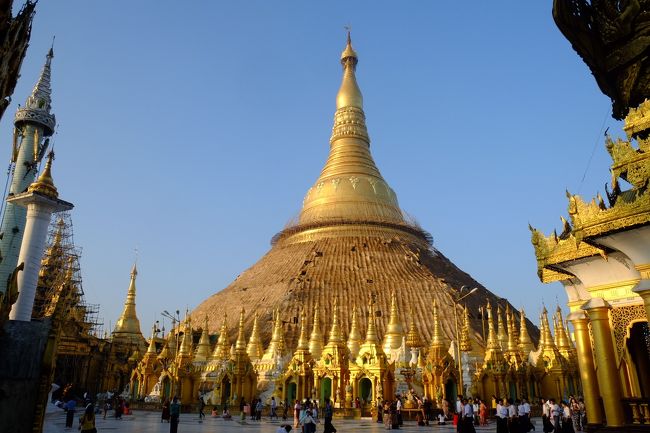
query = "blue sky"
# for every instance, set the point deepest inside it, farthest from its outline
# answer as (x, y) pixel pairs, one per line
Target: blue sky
(192, 132)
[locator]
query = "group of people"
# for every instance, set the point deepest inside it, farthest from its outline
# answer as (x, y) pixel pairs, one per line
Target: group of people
(390, 413)
(171, 412)
(305, 416)
(513, 416)
(565, 417)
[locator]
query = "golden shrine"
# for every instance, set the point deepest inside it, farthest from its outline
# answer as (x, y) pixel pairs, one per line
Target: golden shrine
(323, 313)
(602, 255)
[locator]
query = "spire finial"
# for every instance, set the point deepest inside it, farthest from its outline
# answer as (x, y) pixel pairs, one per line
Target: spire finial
(316, 337)
(240, 344)
(128, 322)
(254, 348)
(45, 184)
(38, 105)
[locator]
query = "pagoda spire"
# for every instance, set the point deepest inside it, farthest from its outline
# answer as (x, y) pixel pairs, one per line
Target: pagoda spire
(240, 344)
(316, 337)
(335, 336)
(394, 331)
(525, 342)
(254, 348)
(186, 343)
(222, 349)
(438, 345)
(350, 186)
(563, 342)
(371, 331)
(413, 339)
(128, 324)
(276, 346)
(303, 341)
(152, 341)
(493, 348)
(39, 103)
(502, 335)
(203, 348)
(354, 338)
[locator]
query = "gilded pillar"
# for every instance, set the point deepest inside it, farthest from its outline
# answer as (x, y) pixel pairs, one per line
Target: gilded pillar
(585, 357)
(608, 379)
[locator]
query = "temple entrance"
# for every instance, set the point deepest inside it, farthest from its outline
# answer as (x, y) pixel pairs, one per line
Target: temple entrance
(225, 389)
(326, 388)
(451, 391)
(166, 388)
(365, 391)
(292, 391)
(638, 346)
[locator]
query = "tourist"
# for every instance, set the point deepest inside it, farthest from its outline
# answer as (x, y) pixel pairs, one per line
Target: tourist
(296, 414)
(201, 407)
(466, 422)
(398, 410)
(258, 409)
(513, 417)
(107, 406)
(388, 422)
(575, 414)
(215, 412)
(441, 419)
(445, 408)
(69, 408)
(165, 411)
(174, 415)
(308, 423)
(482, 411)
(285, 409)
(273, 408)
(547, 424)
(502, 416)
(327, 415)
(394, 418)
(567, 418)
(475, 406)
(87, 420)
(555, 415)
(427, 406)
(524, 417)
(226, 414)
(583, 413)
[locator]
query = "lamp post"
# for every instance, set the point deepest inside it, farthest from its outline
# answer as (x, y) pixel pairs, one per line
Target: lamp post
(457, 300)
(176, 319)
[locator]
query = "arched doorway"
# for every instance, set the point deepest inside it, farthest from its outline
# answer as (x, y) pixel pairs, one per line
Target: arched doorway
(451, 391)
(166, 388)
(326, 388)
(225, 389)
(638, 346)
(292, 392)
(365, 391)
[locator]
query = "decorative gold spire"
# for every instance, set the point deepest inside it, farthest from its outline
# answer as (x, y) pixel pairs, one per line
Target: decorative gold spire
(394, 331)
(152, 341)
(203, 348)
(240, 344)
(45, 184)
(493, 340)
(525, 342)
(335, 336)
(165, 352)
(222, 349)
(512, 347)
(371, 331)
(186, 342)
(502, 336)
(547, 342)
(350, 187)
(316, 337)
(38, 105)
(413, 339)
(254, 348)
(438, 339)
(465, 342)
(354, 338)
(276, 346)
(563, 342)
(303, 341)
(128, 324)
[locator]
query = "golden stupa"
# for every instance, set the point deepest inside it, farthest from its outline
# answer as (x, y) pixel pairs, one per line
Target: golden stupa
(351, 242)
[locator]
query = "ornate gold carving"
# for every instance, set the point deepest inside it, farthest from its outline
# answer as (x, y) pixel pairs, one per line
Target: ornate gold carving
(644, 270)
(638, 119)
(349, 122)
(622, 319)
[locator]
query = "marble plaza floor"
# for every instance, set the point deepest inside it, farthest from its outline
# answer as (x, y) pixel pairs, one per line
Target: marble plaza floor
(149, 422)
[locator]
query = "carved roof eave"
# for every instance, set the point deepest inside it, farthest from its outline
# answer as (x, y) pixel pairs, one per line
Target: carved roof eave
(552, 252)
(590, 221)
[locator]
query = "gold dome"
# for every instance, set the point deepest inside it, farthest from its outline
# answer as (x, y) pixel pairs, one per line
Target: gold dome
(45, 184)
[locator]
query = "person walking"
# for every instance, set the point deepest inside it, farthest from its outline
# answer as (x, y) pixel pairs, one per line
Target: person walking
(69, 412)
(274, 406)
(467, 420)
(165, 411)
(482, 411)
(201, 407)
(174, 415)
(296, 414)
(87, 420)
(327, 414)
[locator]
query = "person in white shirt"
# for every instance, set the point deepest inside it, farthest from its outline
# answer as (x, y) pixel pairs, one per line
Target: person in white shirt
(466, 423)
(502, 416)
(555, 414)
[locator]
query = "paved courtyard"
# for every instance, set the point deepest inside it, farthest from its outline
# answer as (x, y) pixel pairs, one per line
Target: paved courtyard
(149, 422)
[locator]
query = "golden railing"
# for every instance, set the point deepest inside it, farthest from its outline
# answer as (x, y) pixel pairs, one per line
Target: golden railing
(637, 410)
